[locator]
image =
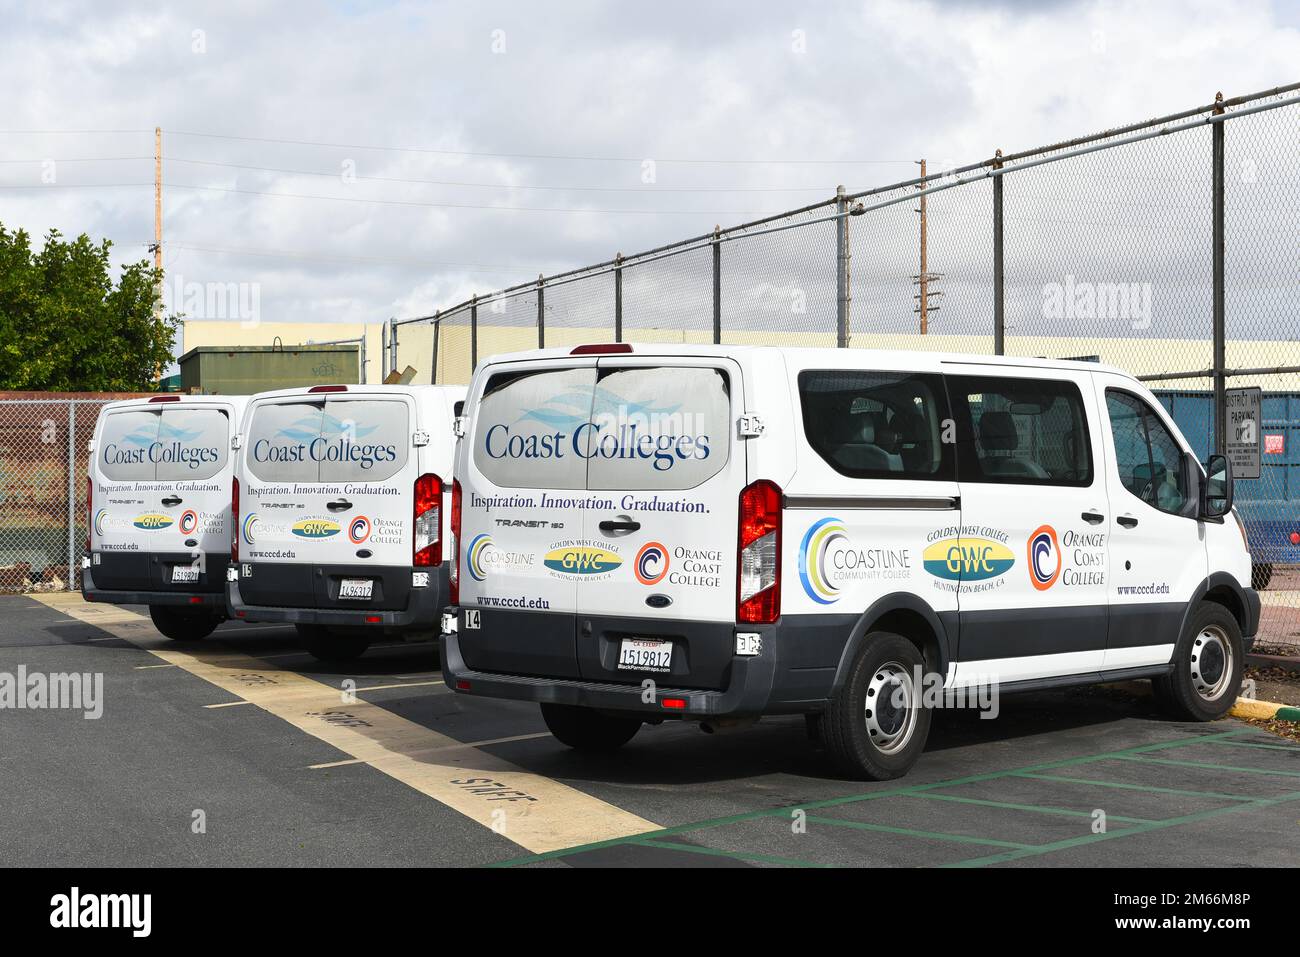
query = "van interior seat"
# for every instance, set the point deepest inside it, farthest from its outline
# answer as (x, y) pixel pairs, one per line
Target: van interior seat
(865, 445)
(998, 434)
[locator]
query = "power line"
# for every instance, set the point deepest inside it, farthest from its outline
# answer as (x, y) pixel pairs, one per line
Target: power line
(330, 257)
(71, 185)
(78, 159)
(434, 182)
(517, 209)
(538, 156)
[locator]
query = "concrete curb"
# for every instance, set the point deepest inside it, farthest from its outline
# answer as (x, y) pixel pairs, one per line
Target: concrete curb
(1264, 710)
(1274, 661)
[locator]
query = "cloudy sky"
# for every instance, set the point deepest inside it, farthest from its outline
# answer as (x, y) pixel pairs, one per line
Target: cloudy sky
(363, 160)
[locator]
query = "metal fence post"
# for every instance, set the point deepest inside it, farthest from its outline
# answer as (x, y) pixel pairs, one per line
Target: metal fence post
(999, 290)
(473, 333)
(841, 269)
(383, 351)
(717, 285)
(72, 494)
(541, 313)
(433, 362)
(1220, 324)
(618, 297)
(392, 350)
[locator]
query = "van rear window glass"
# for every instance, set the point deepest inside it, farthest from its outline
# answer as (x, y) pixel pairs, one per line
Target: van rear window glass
(660, 428)
(171, 445)
(337, 440)
(124, 445)
(878, 425)
(624, 428)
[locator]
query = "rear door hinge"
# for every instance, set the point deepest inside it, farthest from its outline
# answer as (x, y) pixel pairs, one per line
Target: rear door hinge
(750, 425)
(236, 441)
(458, 426)
(419, 438)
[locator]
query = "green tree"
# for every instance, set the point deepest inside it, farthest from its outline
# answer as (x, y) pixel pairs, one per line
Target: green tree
(64, 325)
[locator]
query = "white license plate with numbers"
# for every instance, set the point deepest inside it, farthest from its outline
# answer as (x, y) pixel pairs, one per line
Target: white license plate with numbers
(185, 574)
(356, 588)
(646, 654)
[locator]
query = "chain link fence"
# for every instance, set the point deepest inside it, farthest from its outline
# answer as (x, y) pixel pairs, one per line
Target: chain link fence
(43, 464)
(1167, 247)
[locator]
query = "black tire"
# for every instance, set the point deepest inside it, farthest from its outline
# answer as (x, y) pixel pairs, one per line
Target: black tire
(585, 729)
(326, 645)
(182, 624)
(887, 663)
(1207, 665)
(1261, 575)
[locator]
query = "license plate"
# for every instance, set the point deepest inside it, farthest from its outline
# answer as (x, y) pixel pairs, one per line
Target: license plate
(185, 574)
(646, 654)
(355, 588)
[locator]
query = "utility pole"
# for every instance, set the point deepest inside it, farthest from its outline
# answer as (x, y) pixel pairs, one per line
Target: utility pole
(157, 217)
(924, 277)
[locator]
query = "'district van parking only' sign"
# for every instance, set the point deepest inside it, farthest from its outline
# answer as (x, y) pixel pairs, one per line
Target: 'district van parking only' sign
(1243, 416)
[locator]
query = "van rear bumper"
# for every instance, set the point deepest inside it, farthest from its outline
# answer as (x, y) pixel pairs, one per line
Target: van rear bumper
(215, 601)
(421, 611)
(783, 679)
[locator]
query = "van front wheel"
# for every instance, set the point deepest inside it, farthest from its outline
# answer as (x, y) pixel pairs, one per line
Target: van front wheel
(184, 625)
(585, 729)
(877, 723)
(326, 645)
(1207, 663)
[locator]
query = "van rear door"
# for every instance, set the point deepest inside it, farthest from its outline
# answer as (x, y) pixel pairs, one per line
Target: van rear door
(524, 480)
(664, 478)
(327, 503)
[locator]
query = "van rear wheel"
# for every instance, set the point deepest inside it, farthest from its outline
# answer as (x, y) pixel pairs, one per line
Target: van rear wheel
(326, 645)
(876, 725)
(1207, 664)
(585, 729)
(183, 624)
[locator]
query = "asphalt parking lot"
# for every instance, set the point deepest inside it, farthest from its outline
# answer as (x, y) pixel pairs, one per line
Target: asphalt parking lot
(243, 750)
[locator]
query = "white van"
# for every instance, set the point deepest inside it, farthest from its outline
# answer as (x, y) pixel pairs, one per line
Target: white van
(339, 512)
(158, 509)
(647, 532)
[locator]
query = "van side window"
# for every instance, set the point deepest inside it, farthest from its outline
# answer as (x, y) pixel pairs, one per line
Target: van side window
(1021, 431)
(885, 425)
(1149, 460)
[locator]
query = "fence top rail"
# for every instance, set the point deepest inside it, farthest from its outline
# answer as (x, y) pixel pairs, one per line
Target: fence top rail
(1041, 154)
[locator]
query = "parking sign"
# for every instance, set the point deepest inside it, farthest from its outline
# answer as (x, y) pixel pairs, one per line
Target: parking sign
(1245, 432)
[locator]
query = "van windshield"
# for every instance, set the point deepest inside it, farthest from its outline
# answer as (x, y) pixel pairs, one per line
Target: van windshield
(633, 428)
(164, 445)
(335, 440)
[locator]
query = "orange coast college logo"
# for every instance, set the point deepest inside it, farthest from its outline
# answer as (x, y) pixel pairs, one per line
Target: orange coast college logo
(651, 563)
(189, 521)
(1044, 557)
(359, 529)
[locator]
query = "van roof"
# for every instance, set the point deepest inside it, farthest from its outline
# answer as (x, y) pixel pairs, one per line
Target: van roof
(170, 400)
(453, 391)
(810, 357)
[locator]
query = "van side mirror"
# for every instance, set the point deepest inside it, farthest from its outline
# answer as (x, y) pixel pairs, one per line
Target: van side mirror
(1216, 494)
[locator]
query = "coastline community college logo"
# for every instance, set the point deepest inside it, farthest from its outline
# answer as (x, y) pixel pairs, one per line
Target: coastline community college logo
(152, 521)
(189, 521)
(250, 527)
(100, 516)
(315, 528)
(1044, 558)
(474, 555)
(812, 560)
(359, 529)
(651, 563)
(967, 559)
(581, 558)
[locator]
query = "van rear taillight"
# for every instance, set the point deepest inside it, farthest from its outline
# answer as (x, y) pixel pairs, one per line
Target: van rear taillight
(427, 548)
(234, 521)
(453, 573)
(758, 576)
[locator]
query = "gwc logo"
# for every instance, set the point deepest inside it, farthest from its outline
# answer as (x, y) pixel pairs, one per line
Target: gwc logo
(152, 521)
(315, 528)
(651, 564)
(967, 559)
(812, 560)
(582, 559)
(1044, 558)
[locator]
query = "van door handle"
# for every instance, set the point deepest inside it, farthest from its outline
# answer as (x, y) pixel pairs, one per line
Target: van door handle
(1093, 518)
(339, 505)
(1128, 521)
(622, 525)
(171, 500)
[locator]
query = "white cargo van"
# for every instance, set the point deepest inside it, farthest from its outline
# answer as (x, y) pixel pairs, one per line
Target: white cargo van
(646, 532)
(158, 509)
(339, 512)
